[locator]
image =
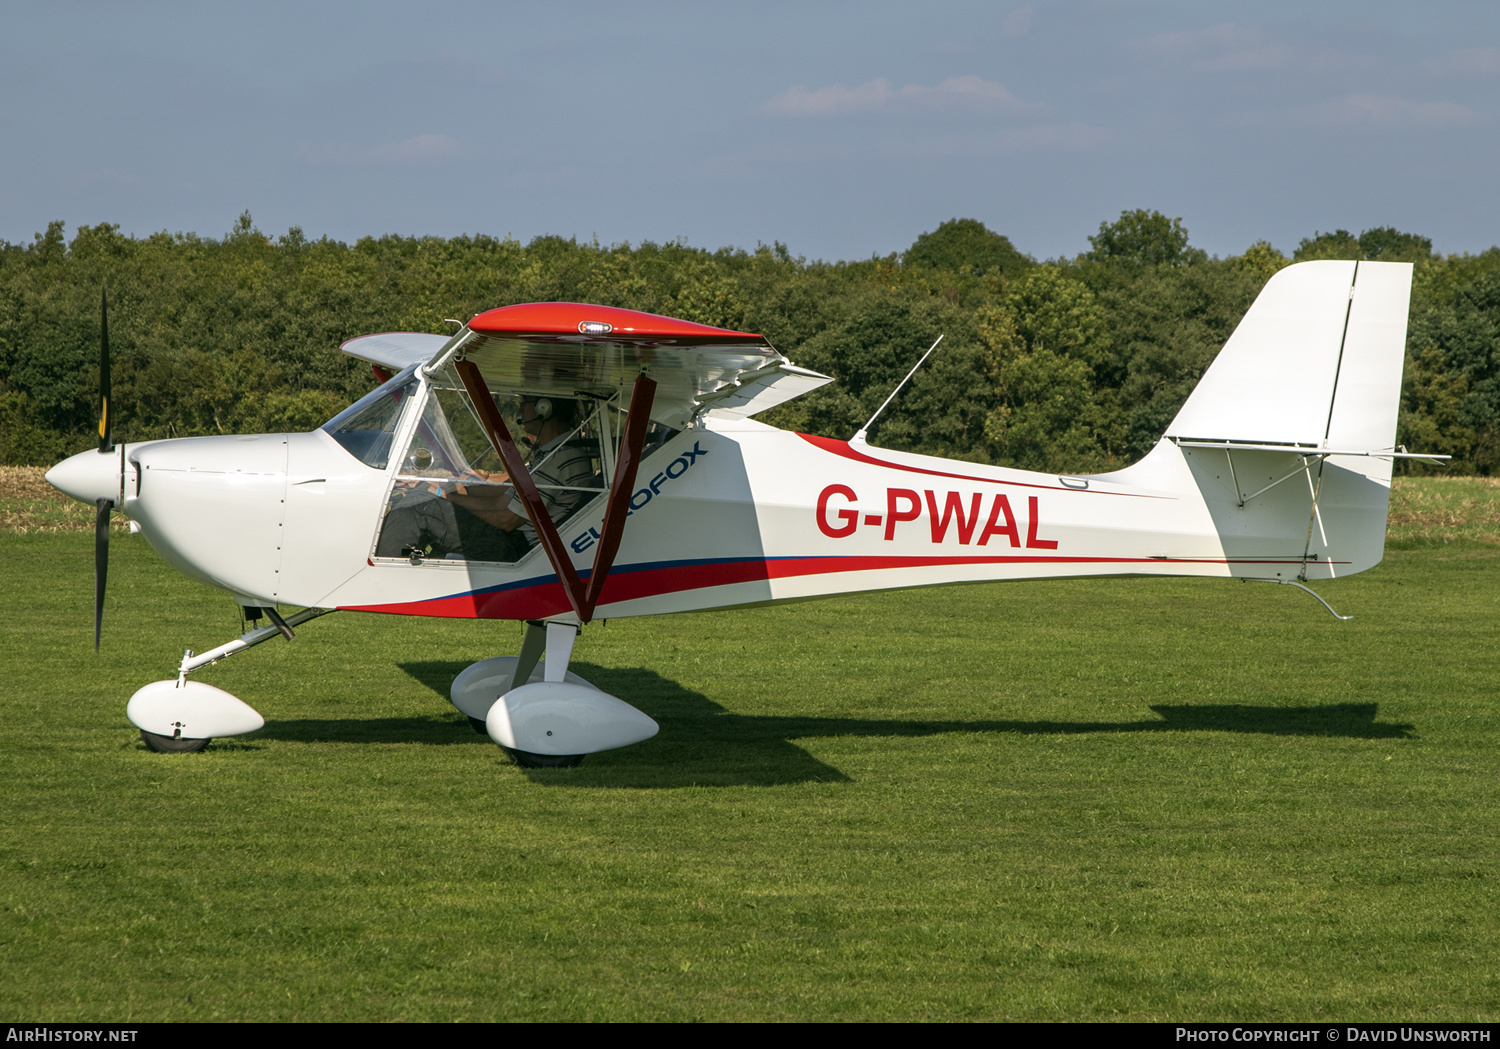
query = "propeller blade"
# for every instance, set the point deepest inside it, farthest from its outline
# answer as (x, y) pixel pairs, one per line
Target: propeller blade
(106, 438)
(101, 563)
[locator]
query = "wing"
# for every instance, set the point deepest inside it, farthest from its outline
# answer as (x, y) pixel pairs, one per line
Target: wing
(754, 392)
(395, 350)
(570, 349)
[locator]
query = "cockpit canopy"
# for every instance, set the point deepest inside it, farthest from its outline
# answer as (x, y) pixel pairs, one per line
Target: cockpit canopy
(367, 428)
(450, 496)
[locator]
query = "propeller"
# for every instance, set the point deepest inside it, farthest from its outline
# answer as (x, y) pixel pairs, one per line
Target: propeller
(106, 447)
(106, 439)
(101, 563)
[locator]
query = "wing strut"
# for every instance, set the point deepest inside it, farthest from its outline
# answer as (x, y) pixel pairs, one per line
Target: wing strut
(582, 599)
(515, 465)
(631, 443)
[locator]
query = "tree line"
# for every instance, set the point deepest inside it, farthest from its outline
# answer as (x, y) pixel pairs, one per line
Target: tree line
(1069, 365)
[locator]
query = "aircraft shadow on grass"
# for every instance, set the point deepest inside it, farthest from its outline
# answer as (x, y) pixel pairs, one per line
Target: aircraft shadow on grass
(703, 744)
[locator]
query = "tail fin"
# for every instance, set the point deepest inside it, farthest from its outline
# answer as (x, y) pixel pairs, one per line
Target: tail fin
(1315, 363)
(1290, 434)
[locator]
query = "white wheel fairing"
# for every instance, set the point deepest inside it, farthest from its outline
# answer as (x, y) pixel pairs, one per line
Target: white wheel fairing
(479, 685)
(556, 718)
(191, 710)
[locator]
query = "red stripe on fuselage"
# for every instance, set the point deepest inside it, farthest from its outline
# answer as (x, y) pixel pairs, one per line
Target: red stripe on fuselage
(548, 599)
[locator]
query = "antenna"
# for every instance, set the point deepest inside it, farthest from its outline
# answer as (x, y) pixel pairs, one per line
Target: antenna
(860, 436)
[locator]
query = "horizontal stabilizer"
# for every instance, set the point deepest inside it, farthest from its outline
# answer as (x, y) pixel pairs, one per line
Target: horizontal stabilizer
(1246, 446)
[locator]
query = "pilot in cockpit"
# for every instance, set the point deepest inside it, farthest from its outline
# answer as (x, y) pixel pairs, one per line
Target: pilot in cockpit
(485, 521)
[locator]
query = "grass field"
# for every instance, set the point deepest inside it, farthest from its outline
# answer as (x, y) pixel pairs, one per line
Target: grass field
(1125, 799)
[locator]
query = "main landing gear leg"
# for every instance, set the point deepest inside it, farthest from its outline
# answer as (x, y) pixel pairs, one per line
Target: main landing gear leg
(549, 719)
(533, 644)
(560, 638)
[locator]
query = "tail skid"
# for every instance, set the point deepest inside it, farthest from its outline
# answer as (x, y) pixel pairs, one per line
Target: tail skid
(1306, 589)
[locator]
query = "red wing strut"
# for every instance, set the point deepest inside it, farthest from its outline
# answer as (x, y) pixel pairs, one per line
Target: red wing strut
(582, 599)
(515, 465)
(631, 443)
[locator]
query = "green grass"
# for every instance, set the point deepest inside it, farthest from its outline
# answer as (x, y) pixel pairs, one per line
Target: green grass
(1436, 511)
(1133, 799)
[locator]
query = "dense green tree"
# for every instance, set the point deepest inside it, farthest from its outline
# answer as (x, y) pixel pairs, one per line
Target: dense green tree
(1453, 389)
(1432, 412)
(1041, 346)
(966, 247)
(1262, 260)
(1340, 244)
(1386, 244)
(1382, 244)
(1143, 238)
(1071, 366)
(1055, 312)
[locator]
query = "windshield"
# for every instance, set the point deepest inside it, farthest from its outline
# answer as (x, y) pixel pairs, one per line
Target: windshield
(367, 428)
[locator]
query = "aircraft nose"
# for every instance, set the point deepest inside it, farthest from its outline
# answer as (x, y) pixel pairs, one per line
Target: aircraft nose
(88, 476)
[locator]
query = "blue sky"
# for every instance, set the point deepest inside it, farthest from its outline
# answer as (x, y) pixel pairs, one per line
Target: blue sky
(841, 130)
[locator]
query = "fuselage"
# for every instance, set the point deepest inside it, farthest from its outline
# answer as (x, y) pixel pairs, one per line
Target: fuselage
(645, 466)
(730, 512)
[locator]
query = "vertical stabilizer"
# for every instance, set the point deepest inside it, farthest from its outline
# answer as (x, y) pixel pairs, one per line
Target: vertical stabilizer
(1313, 370)
(1316, 362)
(1273, 381)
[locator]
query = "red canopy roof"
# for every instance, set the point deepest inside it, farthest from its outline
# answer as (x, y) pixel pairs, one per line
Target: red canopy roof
(577, 318)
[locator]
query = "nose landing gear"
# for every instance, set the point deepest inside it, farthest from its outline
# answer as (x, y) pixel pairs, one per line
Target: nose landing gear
(181, 716)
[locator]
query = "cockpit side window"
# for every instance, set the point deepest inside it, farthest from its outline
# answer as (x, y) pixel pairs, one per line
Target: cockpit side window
(453, 499)
(367, 428)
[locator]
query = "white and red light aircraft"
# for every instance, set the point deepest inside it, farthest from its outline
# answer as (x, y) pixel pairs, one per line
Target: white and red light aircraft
(653, 490)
